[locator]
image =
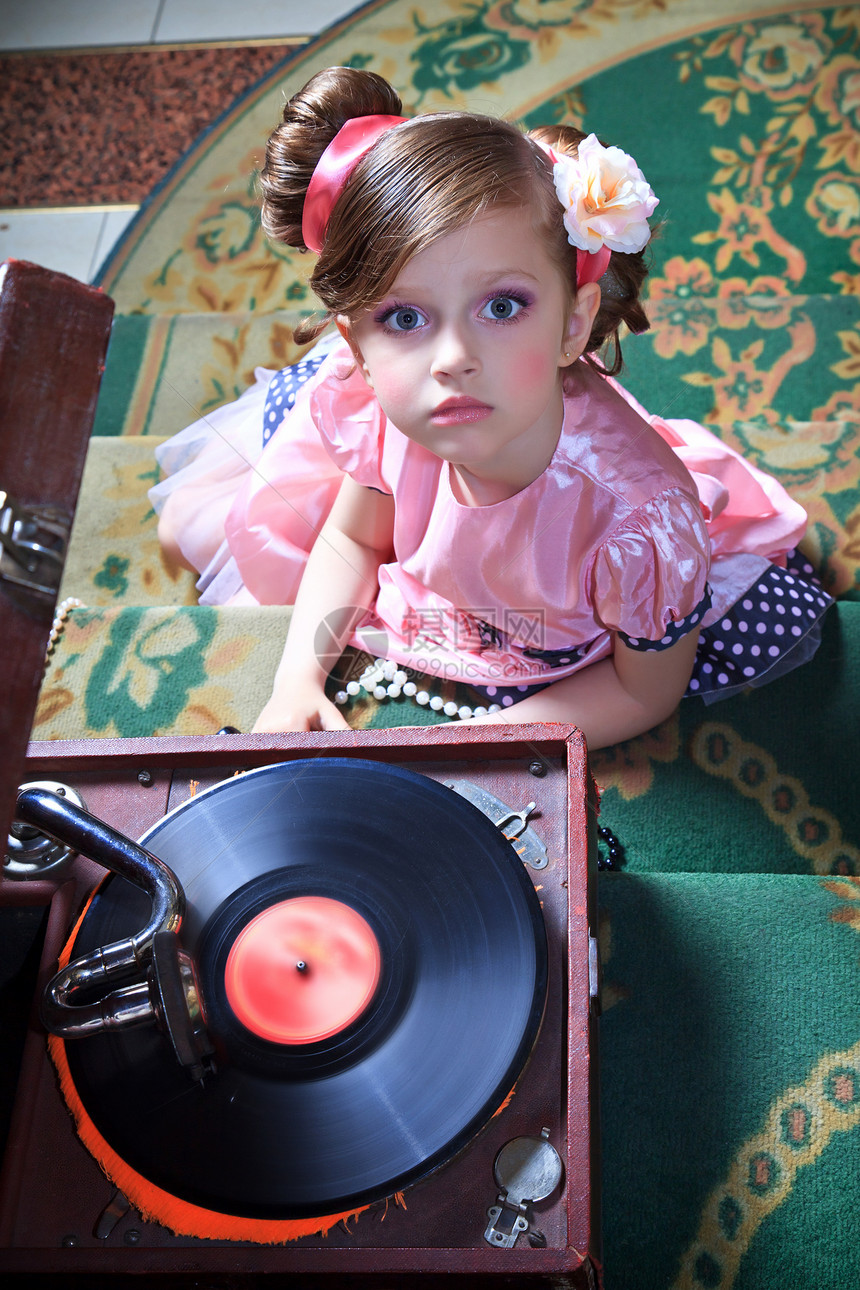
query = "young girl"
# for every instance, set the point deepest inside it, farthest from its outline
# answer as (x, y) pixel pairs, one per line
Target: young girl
(460, 486)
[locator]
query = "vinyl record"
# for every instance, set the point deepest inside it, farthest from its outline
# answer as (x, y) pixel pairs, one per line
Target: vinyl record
(411, 1052)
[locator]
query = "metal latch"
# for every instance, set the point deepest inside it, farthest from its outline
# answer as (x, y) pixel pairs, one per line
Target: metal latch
(32, 546)
(593, 971)
(512, 824)
(526, 1170)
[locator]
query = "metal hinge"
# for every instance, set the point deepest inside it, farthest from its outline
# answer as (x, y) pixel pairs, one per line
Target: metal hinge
(33, 544)
(512, 824)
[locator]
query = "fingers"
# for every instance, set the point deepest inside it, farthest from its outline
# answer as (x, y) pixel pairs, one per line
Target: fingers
(278, 718)
(331, 718)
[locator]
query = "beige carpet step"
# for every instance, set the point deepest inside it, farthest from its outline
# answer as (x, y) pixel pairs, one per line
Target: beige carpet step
(114, 556)
(165, 371)
(136, 670)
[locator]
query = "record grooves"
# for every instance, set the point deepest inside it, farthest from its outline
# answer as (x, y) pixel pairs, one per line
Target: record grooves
(285, 1130)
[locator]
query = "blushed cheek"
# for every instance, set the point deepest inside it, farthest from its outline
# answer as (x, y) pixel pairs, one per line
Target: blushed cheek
(392, 387)
(535, 368)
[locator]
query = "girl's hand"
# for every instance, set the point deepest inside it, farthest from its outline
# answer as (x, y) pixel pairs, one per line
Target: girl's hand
(339, 582)
(304, 709)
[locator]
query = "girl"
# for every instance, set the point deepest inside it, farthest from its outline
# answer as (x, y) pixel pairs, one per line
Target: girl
(460, 486)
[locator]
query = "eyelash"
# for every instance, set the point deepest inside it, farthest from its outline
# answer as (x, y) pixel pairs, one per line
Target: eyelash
(516, 296)
(389, 311)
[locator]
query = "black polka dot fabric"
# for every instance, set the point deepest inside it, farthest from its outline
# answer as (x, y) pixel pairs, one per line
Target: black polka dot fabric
(283, 390)
(772, 628)
(507, 695)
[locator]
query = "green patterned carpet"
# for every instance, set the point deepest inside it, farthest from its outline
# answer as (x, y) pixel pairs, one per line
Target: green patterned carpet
(731, 1030)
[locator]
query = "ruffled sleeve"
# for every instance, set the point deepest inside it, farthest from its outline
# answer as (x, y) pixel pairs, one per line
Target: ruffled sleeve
(650, 576)
(334, 428)
(747, 510)
(351, 423)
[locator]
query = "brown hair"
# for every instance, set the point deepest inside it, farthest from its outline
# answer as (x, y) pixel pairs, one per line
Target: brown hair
(418, 183)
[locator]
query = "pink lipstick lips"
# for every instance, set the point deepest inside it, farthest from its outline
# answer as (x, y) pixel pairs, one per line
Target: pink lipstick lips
(459, 411)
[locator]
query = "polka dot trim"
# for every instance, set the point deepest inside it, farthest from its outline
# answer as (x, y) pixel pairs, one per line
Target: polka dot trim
(559, 657)
(283, 391)
(674, 631)
(508, 695)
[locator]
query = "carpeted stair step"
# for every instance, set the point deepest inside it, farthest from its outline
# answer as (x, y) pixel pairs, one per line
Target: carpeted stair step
(133, 671)
(730, 1080)
(136, 670)
(114, 555)
(164, 371)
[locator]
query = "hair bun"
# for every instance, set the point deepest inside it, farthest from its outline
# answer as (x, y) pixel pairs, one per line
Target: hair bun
(311, 119)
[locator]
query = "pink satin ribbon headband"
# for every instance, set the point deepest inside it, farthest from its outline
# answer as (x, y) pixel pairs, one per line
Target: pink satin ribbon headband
(333, 169)
(630, 194)
(591, 265)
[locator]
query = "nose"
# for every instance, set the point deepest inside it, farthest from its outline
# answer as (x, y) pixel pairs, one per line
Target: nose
(455, 353)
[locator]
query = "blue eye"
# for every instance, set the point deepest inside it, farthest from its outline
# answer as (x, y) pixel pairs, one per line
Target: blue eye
(404, 319)
(501, 308)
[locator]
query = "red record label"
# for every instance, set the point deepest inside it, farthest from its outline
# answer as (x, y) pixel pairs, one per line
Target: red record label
(302, 970)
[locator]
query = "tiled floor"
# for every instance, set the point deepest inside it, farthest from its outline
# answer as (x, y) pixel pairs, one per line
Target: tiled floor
(77, 241)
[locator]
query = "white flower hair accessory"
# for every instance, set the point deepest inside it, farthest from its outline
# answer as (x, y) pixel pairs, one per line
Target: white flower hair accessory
(606, 198)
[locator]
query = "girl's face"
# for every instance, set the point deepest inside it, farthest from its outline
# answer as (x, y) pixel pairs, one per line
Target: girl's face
(466, 352)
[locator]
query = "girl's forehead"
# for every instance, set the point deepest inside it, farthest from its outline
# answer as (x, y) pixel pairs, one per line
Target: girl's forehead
(503, 240)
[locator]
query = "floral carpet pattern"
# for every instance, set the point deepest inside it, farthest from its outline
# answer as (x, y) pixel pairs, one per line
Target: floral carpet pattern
(730, 1085)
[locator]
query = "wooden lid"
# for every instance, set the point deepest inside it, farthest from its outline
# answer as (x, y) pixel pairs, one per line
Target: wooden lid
(54, 335)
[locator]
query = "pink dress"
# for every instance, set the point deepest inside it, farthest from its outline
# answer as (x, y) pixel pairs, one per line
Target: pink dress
(638, 526)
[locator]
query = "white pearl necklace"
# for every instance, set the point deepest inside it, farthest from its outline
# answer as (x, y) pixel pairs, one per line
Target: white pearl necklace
(58, 626)
(383, 679)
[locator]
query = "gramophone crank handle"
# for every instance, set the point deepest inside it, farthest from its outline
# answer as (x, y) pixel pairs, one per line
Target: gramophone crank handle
(60, 819)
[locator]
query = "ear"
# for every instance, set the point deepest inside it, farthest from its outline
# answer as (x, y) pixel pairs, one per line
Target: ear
(342, 324)
(580, 323)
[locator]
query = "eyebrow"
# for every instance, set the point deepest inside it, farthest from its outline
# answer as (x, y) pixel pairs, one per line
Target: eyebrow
(494, 275)
(491, 276)
(506, 273)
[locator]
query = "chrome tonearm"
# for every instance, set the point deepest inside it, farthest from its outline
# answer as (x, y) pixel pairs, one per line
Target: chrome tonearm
(166, 992)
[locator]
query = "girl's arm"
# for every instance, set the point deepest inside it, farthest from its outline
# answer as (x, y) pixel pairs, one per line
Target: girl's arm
(615, 699)
(340, 580)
